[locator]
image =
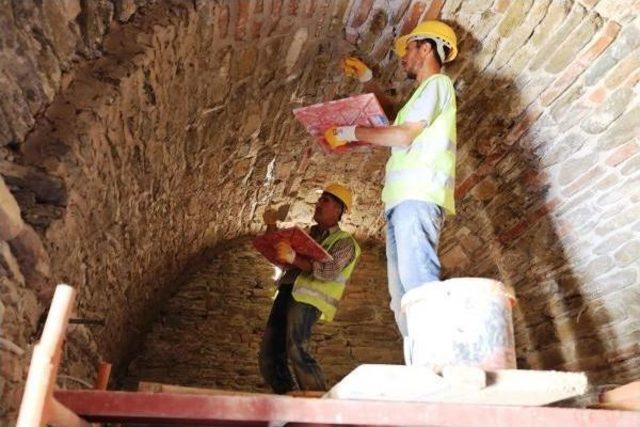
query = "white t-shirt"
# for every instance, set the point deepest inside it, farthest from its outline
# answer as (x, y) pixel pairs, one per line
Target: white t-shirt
(432, 101)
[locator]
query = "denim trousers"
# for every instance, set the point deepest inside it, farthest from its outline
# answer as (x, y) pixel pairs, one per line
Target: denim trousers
(413, 232)
(285, 339)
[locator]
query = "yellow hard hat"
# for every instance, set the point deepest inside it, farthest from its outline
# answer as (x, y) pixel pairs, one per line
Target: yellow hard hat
(342, 193)
(435, 30)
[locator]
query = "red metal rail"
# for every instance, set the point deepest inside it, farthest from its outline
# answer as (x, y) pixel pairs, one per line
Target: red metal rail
(183, 409)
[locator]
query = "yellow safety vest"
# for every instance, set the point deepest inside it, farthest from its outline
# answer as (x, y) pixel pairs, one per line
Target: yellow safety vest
(426, 169)
(322, 294)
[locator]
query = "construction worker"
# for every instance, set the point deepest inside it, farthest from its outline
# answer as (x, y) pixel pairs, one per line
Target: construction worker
(308, 291)
(419, 181)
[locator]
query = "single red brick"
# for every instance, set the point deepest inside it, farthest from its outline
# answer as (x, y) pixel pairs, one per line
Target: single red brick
(622, 70)
(259, 7)
(582, 182)
(413, 17)
(633, 79)
(276, 7)
(293, 7)
(364, 9)
(529, 177)
(540, 212)
(515, 232)
(533, 179)
(223, 21)
(434, 9)
(561, 83)
(466, 185)
(256, 27)
(552, 204)
(598, 95)
(622, 153)
(310, 9)
(485, 189)
(490, 162)
(608, 35)
(243, 17)
(536, 214)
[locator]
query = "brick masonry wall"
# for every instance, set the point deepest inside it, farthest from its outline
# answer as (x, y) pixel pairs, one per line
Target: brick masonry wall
(208, 333)
(547, 182)
(133, 142)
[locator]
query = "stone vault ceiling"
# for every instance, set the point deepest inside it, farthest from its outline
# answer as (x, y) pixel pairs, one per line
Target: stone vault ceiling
(135, 135)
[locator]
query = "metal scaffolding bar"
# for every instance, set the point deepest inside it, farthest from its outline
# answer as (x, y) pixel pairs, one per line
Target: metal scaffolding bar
(271, 410)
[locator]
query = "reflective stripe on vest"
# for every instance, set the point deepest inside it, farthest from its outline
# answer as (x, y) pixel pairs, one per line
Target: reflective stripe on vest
(314, 293)
(426, 169)
(440, 179)
(322, 294)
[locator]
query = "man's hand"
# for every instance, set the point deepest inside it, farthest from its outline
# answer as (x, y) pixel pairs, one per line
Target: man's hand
(285, 253)
(392, 136)
(337, 136)
(353, 67)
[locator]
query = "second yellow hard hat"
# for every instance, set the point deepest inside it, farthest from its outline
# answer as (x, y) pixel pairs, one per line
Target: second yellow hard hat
(342, 192)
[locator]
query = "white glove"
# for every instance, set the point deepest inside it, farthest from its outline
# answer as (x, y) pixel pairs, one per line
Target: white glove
(340, 135)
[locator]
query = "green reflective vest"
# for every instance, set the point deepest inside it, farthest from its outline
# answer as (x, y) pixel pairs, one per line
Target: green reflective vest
(322, 294)
(426, 169)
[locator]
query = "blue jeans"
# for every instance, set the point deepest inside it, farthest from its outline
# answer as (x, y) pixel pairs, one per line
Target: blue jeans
(413, 232)
(285, 340)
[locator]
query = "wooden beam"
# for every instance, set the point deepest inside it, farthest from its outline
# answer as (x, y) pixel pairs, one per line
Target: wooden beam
(626, 397)
(152, 387)
(184, 409)
(59, 415)
(102, 377)
(459, 385)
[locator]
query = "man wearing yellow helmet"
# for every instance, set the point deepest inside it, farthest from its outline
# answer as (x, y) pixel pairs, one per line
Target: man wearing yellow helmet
(420, 173)
(308, 291)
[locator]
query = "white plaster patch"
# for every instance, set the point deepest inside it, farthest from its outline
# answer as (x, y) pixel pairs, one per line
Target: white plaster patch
(295, 48)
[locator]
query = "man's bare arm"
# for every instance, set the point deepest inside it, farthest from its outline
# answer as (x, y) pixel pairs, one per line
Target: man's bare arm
(392, 136)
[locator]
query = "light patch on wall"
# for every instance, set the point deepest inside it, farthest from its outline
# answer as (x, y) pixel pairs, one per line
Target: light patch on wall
(295, 48)
(277, 272)
(270, 168)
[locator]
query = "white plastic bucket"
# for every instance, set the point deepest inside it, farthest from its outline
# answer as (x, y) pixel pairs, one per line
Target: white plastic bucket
(463, 321)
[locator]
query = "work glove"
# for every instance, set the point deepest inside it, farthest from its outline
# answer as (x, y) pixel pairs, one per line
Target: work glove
(353, 67)
(284, 252)
(271, 216)
(337, 136)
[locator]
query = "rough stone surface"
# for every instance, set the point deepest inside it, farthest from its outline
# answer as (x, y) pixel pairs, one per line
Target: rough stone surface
(34, 260)
(10, 220)
(137, 135)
